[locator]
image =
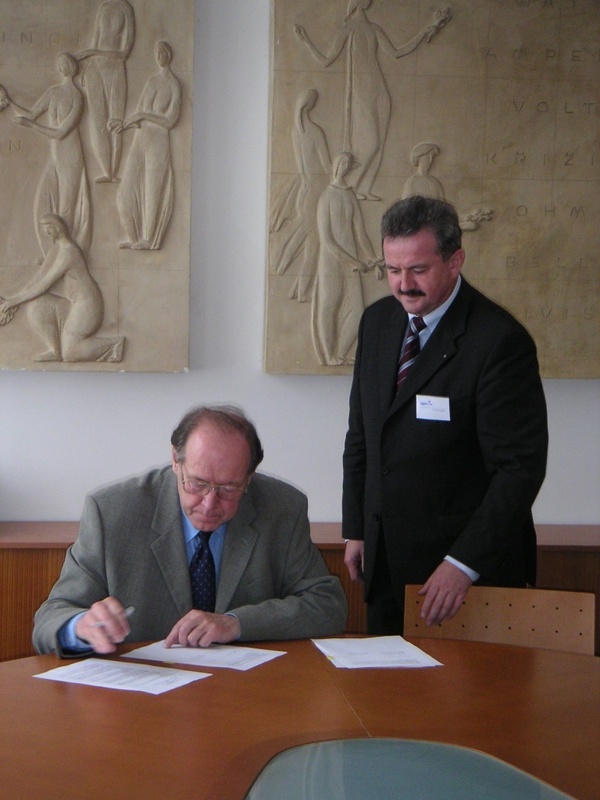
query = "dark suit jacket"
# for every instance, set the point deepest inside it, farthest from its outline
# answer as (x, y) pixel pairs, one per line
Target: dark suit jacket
(130, 545)
(462, 487)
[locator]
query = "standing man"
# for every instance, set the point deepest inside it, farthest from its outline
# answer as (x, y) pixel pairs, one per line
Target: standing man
(447, 439)
(203, 550)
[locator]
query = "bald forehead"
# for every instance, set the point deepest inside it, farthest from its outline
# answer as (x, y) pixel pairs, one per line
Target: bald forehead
(209, 440)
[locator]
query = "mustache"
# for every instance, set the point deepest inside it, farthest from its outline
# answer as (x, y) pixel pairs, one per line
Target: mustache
(411, 293)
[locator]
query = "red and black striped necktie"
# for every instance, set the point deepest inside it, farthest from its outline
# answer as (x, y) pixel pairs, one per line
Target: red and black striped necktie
(410, 350)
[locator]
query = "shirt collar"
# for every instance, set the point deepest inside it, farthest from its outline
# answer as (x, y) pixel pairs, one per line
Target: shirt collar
(189, 532)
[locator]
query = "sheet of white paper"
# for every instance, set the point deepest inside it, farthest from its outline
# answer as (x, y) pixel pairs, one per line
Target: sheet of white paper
(115, 675)
(376, 651)
(216, 655)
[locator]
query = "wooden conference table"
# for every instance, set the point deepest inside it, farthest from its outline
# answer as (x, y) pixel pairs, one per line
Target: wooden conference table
(538, 710)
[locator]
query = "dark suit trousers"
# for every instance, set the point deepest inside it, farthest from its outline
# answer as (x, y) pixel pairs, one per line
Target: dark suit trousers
(385, 611)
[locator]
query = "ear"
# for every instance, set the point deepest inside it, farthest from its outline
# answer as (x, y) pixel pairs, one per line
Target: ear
(174, 461)
(456, 261)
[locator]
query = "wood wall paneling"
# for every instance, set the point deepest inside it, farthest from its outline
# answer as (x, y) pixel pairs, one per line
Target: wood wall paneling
(32, 553)
(26, 577)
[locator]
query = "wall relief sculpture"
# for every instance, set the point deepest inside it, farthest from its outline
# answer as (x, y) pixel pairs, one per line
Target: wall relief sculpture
(63, 184)
(67, 318)
(494, 106)
(145, 197)
(96, 168)
(344, 252)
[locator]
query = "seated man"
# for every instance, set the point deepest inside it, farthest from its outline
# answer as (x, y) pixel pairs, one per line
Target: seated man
(132, 573)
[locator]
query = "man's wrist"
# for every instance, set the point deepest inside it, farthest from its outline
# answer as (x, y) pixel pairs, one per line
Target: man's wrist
(239, 625)
(470, 573)
(68, 638)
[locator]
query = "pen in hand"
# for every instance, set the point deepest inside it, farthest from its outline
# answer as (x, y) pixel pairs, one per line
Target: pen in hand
(128, 612)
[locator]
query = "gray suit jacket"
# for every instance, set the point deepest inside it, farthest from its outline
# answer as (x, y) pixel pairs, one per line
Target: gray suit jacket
(130, 546)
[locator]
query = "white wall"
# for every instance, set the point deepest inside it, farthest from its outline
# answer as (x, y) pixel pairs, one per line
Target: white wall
(62, 434)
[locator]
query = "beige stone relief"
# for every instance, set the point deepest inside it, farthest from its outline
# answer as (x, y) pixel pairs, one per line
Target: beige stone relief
(492, 105)
(95, 152)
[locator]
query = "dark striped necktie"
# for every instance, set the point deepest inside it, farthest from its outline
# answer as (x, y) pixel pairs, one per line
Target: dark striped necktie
(202, 575)
(410, 350)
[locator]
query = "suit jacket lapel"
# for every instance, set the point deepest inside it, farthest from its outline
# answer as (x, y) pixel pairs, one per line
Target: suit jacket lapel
(168, 545)
(237, 549)
(390, 345)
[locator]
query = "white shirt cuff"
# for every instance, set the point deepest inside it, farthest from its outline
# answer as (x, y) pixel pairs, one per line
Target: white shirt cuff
(467, 570)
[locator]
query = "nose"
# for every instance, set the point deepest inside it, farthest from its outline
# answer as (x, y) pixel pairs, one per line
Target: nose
(406, 282)
(210, 500)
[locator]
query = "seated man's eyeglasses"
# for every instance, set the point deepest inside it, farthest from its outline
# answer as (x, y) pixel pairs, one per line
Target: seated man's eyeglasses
(224, 491)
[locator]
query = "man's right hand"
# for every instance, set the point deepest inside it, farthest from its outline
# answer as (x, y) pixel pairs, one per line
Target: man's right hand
(354, 559)
(104, 626)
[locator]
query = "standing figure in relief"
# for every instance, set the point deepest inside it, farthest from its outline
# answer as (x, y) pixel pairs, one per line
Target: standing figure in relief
(145, 197)
(422, 157)
(104, 79)
(367, 100)
(63, 188)
(67, 317)
(345, 252)
(299, 199)
(422, 183)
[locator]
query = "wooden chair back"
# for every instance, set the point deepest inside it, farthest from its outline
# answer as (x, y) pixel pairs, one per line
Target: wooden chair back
(546, 618)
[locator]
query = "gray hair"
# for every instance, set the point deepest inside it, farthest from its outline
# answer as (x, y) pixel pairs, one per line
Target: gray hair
(416, 213)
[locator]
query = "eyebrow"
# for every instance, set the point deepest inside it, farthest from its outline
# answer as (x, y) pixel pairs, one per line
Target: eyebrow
(237, 484)
(420, 265)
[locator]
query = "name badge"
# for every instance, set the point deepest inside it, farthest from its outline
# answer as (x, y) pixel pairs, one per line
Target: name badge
(436, 408)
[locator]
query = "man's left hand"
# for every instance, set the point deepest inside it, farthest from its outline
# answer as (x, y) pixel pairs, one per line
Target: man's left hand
(444, 592)
(201, 628)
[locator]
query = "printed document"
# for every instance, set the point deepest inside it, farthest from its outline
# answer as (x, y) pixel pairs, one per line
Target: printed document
(375, 651)
(215, 655)
(115, 675)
